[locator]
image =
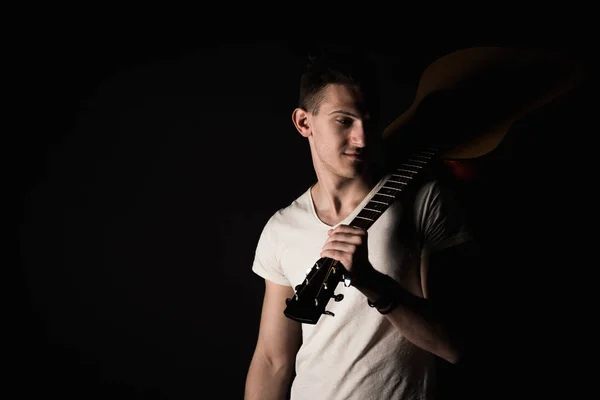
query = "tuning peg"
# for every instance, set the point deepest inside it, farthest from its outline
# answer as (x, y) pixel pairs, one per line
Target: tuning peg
(338, 297)
(346, 279)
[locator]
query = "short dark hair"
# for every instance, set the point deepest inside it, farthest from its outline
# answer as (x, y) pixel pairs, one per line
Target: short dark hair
(348, 66)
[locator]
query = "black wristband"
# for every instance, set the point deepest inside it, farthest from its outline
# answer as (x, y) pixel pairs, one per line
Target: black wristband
(391, 306)
(381, 302)
(390, 298)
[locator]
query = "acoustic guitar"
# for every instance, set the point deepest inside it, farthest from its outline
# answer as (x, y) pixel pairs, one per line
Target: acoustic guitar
(464, 106)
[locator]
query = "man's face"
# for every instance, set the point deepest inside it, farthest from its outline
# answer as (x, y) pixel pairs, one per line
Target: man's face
(340, 132)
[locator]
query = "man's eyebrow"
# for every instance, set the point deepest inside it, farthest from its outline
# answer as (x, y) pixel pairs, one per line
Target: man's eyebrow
(345, 113)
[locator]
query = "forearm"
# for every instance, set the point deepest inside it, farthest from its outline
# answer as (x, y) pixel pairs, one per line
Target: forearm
(267, 381)
(414, 317)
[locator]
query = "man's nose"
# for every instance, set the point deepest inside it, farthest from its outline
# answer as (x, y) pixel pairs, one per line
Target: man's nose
(358, 136)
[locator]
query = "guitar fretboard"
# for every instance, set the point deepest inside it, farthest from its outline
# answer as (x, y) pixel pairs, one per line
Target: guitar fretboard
(394, 184)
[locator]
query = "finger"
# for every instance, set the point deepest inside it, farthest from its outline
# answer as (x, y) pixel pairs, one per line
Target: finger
(346, 237)
(340, 256)
(349, 229)
(340, 246)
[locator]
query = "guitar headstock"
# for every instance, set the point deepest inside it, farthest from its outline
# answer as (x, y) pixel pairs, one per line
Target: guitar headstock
(313, 294)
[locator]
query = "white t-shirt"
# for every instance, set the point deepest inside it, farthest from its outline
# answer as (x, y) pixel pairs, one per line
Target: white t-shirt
(358, 354)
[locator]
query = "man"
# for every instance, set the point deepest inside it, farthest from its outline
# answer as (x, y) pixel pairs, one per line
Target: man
(397, 321)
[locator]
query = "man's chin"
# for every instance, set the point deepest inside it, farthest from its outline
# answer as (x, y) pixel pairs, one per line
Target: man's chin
(356, 171)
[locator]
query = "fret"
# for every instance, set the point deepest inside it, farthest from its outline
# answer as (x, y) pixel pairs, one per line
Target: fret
(417, 161)
(421, 156)
(388, 191)
(377, 202)
(415, 166)
(383, 199)
(368, 219)
(377, 205)
(401, 176)
(370, 214)
(372, 209)
(359, 224)
(412, 171)
(395, 184)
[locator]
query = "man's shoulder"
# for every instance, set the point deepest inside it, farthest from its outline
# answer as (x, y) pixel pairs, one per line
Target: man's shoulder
(434, 188)
(435, 198)
(297, 208)
(425, 189)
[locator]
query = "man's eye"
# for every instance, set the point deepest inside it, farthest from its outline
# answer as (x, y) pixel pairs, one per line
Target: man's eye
(344, 121)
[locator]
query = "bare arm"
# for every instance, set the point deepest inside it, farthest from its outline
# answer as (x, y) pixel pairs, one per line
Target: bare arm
(279, 337)
(437, 321)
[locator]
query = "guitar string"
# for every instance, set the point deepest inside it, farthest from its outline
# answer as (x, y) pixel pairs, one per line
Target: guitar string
(431, 153)
(329, 271)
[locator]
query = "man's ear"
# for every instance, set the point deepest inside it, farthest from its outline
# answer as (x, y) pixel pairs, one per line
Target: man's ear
(301, 121)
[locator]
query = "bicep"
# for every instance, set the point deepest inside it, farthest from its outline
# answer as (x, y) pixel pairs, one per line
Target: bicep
(279, 337)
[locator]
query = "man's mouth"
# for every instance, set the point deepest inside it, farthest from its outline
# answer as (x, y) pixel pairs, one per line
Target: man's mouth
(355, 156)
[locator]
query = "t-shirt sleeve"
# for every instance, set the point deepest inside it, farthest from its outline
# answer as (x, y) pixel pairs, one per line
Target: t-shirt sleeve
(440, 218)
(266, 263)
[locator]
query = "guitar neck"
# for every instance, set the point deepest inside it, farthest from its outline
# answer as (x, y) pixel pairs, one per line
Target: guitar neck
(394, 185)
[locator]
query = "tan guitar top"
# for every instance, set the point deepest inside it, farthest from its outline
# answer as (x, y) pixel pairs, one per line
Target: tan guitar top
(476, 94)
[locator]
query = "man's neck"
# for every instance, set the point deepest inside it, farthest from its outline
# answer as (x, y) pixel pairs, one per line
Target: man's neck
(334, 199)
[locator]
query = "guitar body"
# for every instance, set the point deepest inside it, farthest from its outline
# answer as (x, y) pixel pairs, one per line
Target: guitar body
(464, 106)
(471, 97)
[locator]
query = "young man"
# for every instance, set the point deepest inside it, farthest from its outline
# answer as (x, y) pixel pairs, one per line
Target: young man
(395, 322)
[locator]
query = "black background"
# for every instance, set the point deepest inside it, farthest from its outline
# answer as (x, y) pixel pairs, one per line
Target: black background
(146, 167)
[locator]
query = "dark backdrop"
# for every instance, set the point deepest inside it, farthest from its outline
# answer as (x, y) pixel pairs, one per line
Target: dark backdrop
(146, 170)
